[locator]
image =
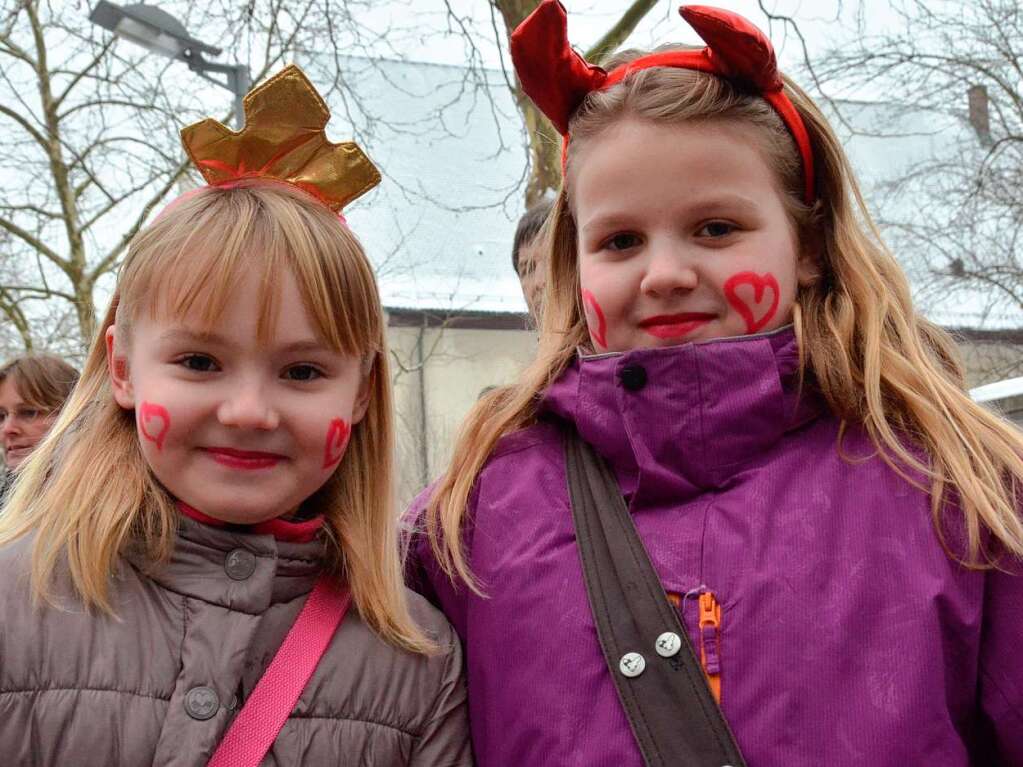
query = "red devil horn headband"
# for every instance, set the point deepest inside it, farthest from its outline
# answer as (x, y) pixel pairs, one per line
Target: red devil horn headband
(557, 78)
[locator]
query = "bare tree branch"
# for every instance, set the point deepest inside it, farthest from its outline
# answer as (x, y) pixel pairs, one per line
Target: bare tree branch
(618, 33)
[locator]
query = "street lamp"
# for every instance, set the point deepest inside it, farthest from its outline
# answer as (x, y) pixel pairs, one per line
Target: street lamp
(157, 30)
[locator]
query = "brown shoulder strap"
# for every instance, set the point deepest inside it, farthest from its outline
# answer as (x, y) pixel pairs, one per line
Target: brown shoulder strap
(673, 715)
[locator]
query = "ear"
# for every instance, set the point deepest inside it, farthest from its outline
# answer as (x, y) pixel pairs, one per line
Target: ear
(365, 393)
(117, 368)
(808, 267)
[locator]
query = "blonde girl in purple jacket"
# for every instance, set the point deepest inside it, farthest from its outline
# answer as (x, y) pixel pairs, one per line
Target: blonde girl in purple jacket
(225, 458)
(836, 522)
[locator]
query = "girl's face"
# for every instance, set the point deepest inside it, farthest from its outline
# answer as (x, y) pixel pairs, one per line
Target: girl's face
(683, 236)
(241, 430)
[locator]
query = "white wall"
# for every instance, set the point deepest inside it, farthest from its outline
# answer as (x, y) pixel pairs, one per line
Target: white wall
(433, 396)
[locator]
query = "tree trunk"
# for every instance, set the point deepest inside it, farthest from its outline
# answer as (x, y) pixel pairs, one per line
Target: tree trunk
(544, 141)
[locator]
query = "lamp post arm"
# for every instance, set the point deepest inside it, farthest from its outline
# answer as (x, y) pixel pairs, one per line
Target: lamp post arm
(238, 81)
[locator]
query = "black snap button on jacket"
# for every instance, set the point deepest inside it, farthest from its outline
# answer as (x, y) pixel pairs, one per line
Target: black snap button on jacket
(633, 377)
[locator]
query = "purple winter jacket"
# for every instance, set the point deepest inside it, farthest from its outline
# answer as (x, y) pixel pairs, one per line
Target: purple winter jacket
(846, 635)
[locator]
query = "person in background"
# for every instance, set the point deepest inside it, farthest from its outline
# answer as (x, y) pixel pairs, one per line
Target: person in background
(528, 257)
(33, 388)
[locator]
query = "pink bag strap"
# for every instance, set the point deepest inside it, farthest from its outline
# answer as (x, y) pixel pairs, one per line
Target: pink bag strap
(256, 727)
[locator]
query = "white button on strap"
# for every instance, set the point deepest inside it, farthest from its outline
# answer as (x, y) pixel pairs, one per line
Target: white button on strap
(632, 664)
(668, 644)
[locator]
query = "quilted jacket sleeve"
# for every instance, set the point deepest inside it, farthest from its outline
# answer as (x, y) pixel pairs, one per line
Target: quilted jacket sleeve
(444, 741)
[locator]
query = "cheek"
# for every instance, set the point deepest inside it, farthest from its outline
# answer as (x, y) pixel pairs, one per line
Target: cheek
(338, 433)
(596, 321)
(41, 427)
(755, 297)
(153, 422)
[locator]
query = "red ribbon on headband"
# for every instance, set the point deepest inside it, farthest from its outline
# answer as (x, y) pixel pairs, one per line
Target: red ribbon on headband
(557, 78)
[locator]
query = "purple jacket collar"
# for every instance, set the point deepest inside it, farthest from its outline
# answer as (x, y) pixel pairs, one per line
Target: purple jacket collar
(720, 404)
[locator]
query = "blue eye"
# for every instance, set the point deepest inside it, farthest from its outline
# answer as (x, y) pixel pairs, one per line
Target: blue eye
(200, 363)
(714, 229)
(302, 373)
(622, 241)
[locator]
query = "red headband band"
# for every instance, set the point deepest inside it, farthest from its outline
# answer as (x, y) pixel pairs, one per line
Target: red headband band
(557, 78)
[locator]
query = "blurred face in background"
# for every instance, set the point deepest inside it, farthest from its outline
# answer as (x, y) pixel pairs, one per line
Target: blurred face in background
(22, 425)
(532, 269)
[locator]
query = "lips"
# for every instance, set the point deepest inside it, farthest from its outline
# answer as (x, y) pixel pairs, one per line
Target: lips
(244, 459)
(675, 325)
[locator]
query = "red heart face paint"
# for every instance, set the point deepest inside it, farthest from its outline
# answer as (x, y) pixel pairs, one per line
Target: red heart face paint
(595, 319)
(153, 423)
(337, 441)
(754, 296)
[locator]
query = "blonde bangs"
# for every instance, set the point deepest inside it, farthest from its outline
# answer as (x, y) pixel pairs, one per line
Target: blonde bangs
(199, 250)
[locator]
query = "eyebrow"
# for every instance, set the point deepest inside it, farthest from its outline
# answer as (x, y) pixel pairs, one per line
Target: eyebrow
(699, 207)
(716, 202)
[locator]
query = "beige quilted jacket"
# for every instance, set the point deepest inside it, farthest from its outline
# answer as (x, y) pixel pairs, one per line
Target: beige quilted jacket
(161, 685)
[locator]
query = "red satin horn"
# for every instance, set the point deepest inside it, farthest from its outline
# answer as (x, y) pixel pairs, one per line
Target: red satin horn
(739, 50)
(551, 73)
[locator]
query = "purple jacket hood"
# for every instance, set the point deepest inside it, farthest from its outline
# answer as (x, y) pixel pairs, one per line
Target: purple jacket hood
(710, 425)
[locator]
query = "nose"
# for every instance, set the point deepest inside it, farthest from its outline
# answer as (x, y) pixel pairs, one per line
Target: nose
(247, 406)
(10, 428)
(670, 269)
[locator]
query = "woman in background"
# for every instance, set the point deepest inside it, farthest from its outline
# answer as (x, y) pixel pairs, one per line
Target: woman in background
(33, 388)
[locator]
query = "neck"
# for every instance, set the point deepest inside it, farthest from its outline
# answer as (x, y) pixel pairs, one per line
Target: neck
(294, 531)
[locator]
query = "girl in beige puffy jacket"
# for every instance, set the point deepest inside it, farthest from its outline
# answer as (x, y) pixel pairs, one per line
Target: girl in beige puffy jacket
(228, 447)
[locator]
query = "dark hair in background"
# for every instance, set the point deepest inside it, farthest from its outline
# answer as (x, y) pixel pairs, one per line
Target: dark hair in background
(529, 227)
(44, 381)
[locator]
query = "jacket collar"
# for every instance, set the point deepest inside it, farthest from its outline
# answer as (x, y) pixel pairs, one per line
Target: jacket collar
(295, 531)
(243, 569)
(675, 421)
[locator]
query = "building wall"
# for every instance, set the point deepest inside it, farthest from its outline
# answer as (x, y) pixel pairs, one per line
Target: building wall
(438, 374)
(990, 360)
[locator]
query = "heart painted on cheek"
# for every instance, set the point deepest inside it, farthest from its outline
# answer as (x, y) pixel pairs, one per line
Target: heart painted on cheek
(758, 301)
(154, 423)
(337, 441)
(595, 319)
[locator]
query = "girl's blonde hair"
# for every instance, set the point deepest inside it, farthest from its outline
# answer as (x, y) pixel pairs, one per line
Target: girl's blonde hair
(87, 492)
(876, 362)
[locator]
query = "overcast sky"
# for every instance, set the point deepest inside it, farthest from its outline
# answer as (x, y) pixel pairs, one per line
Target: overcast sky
(820, 22)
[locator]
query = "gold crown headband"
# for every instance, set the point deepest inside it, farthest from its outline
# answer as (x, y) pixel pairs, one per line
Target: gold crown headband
(283, 140)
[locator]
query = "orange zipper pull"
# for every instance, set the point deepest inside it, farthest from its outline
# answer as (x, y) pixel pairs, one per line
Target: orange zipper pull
(710, 641)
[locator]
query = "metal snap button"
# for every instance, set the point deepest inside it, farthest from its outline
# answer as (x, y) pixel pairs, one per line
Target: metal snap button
(633, 377)
(201, 703)
(668, 644)
(632, 664)
(240, 564)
